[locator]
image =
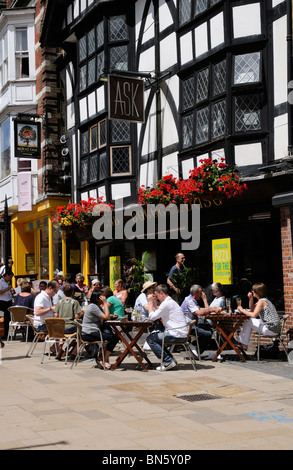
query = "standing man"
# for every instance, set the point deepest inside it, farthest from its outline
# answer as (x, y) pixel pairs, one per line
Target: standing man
(173, 318)
(44, 307)
(6, 293)
(178, 268)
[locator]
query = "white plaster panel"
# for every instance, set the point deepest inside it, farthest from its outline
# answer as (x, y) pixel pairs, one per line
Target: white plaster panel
(168, 50)
(148, 174)
(201, 157)
(70, 116)
(147, 60)
(186, 48)
(276, 2)
(280, 60)
(248, 154)
(201, 39)
(169, 129)
(102, 193)
(217, 30)
(92, 104)
(83, 109)
(170, 165)
(281, 136)
(121, 190)
(69, 89)
(246, 20)
(218, 154)
(164, 15)
(187, 165)
(101, 98)
(149, 142)
(148, 32)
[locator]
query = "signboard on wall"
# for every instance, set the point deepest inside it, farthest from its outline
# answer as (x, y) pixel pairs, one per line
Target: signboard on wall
(126, 98)
(24, 188)
(114, 270)
(27, 139)
(222, 261)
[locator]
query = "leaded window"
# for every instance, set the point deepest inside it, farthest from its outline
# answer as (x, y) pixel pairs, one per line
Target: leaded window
(188, 9)
(93, 166)
(120, 160)
(205, 114)
(247, 113)
(247, 68)
(102, 48)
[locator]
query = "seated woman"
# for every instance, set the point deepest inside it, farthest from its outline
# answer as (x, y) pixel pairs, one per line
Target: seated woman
(142, 301)
(219, 300)
(120, 291)
(114, 304)
(25, 298)
(92, 320)
(96, 285)
(262, 317)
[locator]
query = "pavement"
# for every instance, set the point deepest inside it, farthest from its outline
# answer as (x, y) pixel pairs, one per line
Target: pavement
(226, 405)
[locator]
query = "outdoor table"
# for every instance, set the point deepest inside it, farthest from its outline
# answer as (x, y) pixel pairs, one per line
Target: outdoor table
(130, 339)
(227, 324)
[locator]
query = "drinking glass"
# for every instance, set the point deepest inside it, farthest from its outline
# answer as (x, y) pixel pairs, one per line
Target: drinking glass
(228, 305)
(238, 300)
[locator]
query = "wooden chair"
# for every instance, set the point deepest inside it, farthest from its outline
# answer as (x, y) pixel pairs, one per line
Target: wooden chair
(185, 343)
(18, 319)
(82, 344)
(55, 335)
(283, 319)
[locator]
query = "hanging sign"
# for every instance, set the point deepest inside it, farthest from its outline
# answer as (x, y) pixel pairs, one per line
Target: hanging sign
(222, 261)
(27, 139)
(126, 98)
(24, 185)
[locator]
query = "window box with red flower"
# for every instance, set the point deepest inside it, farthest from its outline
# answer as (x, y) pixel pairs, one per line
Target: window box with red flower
(213, 179)
(78, 216)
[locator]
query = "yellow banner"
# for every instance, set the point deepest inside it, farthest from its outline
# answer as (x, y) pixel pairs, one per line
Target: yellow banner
(222, 261)
(114, 270)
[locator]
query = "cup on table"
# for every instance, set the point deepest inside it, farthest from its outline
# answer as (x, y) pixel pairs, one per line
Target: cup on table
(228, 305)
(139, 313)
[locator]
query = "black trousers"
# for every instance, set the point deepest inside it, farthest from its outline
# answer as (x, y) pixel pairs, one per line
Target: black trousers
(4, 306)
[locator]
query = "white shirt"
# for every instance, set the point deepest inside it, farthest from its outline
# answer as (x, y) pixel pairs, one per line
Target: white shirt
(141, 301)
(218, 302)
(42, 300)
(172, 317)
(7, 296)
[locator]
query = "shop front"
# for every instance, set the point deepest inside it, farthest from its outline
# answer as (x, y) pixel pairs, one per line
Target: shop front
(38, 246)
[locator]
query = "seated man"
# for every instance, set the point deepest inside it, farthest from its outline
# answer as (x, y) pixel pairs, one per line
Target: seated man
(174, 321)
(44, 307)
(193, 311)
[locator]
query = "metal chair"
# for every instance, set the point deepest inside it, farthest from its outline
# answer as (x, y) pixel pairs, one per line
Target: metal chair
(185, 343)
(37, 335)
(81, 344)
(283, 319)
(55, 328)
(18, 319)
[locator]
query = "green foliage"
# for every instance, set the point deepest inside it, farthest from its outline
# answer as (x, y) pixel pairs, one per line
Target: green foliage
(136, 276)
(184, 281)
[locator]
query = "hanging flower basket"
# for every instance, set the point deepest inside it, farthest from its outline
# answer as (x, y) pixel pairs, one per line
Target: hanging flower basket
(211, 180)
(78, 216)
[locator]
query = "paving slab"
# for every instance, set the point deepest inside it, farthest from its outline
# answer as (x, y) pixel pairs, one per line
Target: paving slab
(226, 405)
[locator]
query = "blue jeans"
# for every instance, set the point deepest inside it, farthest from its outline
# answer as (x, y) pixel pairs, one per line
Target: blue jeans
(155, 341)
(204, 333)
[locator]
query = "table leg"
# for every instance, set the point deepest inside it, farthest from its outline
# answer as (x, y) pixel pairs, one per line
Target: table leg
(228, 340)
(129, 347)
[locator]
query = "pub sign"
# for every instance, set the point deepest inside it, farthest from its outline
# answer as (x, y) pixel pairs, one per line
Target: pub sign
(126, 98)
(27, 139)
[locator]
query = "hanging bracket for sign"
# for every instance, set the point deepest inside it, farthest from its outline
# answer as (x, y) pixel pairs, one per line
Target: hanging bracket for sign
(27, 136)
(126, 98)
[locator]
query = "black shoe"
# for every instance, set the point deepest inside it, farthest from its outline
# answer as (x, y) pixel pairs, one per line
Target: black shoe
(58, 358)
